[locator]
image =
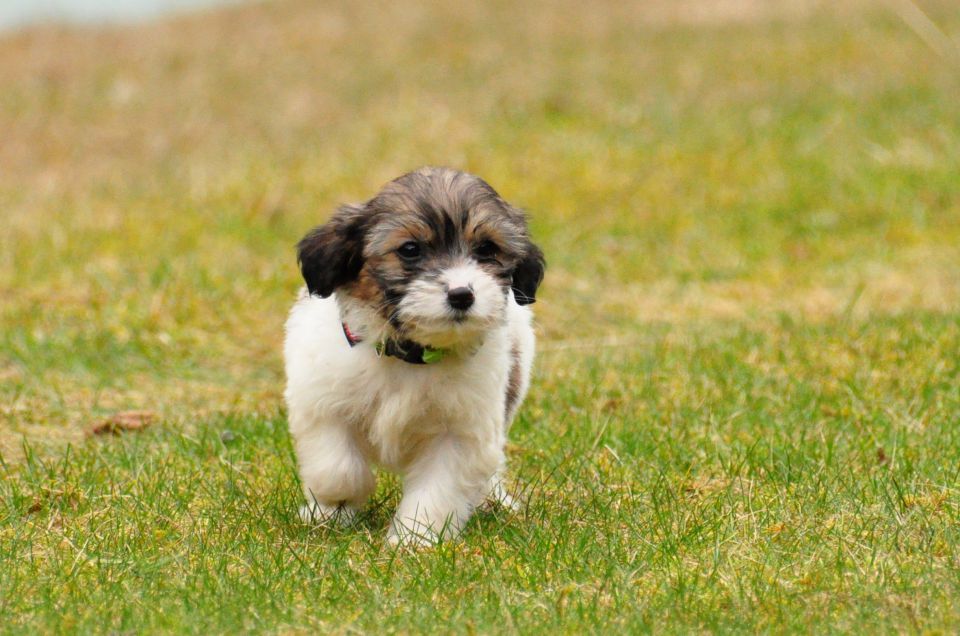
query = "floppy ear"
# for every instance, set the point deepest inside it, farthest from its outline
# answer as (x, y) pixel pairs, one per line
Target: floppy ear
(331, 255)
(527, 276)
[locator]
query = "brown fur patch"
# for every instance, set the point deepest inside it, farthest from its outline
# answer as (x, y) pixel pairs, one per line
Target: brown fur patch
(365, 288)
(513, 382)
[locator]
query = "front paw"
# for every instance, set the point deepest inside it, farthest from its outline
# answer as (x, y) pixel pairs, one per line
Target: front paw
(419, 533)
(406, 537)
(500, 498)
(318, 514)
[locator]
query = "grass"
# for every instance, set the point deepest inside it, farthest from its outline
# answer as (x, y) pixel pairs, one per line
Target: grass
(746, 406)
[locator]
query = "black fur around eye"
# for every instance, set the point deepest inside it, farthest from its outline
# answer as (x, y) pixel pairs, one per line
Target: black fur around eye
(409, 251)
(486, 249)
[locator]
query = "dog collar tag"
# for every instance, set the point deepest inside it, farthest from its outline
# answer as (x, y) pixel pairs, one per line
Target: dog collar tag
(431, 355)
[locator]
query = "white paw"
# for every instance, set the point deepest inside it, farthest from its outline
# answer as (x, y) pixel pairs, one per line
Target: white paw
(316, 514)
(412, 539)
(499, 497)
(416, 535)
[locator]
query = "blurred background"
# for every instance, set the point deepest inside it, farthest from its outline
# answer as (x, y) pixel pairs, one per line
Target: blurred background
(688, 165)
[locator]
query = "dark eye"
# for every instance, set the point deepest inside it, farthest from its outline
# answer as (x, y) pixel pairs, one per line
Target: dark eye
(409, 251)
(486, 249)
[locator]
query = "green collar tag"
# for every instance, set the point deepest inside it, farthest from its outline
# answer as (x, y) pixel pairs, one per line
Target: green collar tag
(431, 355)
(410, 351)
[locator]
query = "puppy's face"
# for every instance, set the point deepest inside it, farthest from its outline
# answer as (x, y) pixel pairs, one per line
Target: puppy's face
(435, 254)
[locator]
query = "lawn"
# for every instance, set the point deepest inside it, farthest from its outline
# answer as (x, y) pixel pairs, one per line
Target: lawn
(745, 415)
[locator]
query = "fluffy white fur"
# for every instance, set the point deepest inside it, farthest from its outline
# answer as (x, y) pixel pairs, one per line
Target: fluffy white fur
(441, 426)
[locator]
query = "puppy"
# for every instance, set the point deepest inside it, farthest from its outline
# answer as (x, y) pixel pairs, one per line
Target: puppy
(411, 348)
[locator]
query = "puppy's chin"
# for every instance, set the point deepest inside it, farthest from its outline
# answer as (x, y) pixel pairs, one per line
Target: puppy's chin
(423, 318)
(452, 333)
(425, 315)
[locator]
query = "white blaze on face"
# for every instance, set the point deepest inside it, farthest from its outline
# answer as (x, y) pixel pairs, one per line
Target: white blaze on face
(461, 276)
(426, 312)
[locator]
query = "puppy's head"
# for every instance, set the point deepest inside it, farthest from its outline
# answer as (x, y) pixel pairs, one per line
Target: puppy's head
(435, 255)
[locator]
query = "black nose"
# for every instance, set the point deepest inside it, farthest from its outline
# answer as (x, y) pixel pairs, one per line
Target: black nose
(460, 298)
